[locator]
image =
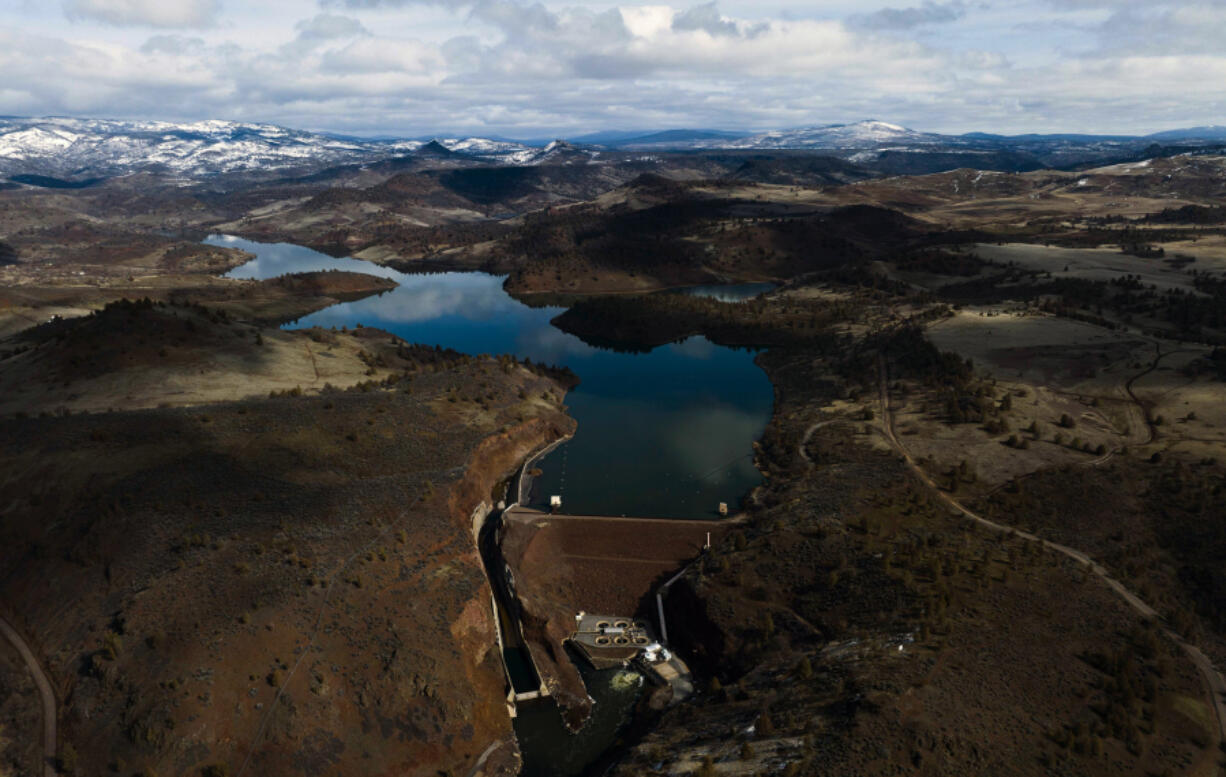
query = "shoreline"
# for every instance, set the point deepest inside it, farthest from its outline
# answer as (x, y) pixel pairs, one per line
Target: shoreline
(522, 475)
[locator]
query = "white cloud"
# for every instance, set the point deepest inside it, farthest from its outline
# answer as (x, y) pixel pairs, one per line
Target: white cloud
(380, 55)
(146, 13)
(555, 68)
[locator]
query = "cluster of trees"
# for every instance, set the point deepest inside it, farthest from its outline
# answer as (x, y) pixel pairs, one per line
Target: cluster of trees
(415, 242)
(1189, 214)
(939, 261)
(622, 238)
(1213, 364)
(1101, 232)
(1127, 299)
(642, 322)
(577, 239)
(1127, 691)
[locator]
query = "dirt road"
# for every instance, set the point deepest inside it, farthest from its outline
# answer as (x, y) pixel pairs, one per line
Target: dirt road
(1213, 678)
(44, 691)
(804, 441)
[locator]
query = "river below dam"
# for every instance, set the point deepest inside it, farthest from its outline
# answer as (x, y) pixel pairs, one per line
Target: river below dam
(665, 432)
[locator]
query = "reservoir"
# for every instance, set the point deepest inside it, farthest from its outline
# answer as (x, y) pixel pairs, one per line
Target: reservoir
(667, 433)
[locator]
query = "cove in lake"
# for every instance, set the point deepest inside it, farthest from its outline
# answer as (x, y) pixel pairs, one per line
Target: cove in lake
(664, 433)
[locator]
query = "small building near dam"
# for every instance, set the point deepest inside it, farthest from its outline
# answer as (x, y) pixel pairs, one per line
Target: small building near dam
(607, 641)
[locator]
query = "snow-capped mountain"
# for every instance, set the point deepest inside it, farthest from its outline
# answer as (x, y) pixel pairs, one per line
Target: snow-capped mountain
(83, 148)
(78, 150)
(483, 146)
(860, 135)
(560, 152)
(894, 149)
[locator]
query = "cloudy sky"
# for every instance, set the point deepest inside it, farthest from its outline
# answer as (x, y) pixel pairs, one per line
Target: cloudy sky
(522, 68)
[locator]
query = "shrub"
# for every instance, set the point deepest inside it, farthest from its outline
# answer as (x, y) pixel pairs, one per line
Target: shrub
(766, 726)
(805, 668)
(112, 645)
(67, 760)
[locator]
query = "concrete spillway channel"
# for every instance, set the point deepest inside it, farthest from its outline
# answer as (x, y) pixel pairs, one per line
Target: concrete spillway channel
(523, 680)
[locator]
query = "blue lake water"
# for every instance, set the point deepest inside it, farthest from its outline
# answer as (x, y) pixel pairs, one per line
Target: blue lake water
(664, 433)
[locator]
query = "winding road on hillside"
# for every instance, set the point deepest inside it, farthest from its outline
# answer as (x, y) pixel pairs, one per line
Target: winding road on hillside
(808, 435)
(44, 690)
(1213, 678)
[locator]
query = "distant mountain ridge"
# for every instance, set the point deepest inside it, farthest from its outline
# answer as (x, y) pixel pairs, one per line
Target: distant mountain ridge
(872, 133)
(70, 151)
(900, 150)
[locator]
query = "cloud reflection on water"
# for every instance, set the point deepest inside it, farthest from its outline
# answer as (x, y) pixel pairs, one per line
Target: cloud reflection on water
(666, 432)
